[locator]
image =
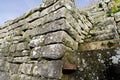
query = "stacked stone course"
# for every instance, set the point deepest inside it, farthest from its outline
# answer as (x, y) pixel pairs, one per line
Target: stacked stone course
(32, 46)
(41, 43)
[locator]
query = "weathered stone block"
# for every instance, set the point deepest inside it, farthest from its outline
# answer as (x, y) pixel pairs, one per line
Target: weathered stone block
(54, 51)
(109, 29)
(4, 66)
(33, 16)
(54, 38)
(27, 34)
(3, 35)
(49, 27)
(17, 39)
(4, 76)
(22, 46)
(62, 38)
(13, 69)
(118, 27)
(24, 77)
(73, 33)
(12, 48)
(26, 68)
(21, 53)
(29, 26)
(35, 53)
(117, 16)
(25, 52)
(50, 69)
(14, 77)
(37, 41)
(20, 77)
(21, 59)
(48, 3)
(72, 21)
(60, 13)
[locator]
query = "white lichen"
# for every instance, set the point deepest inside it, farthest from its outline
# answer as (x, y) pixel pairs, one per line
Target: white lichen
(68, 6)
(116, 58)
(34, 53)
(37, 41)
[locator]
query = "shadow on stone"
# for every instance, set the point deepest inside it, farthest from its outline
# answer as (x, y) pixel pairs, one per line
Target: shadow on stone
(113, 72)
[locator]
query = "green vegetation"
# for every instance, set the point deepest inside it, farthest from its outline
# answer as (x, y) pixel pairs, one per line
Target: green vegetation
(114, 8)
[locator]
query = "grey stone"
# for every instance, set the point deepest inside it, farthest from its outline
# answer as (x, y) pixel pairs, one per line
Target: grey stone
(4, 76)
(3, 30)
(24, 77)
(50, 2)
(22, 46)
(4, 66)
(9, 59)
(27, 34)
(54, 38)
(33, 16)
(105, 36)
(35, 53)
(13, 69)
(29, 26)
(107, 1)
(21, 53)
(25, 52)
(26, 68)
(36, 78)
(16, 38)
(14, 77)
(60, 13)
(72, 21)
(50, 69)
(97, 16)
(54, 51)
(74, 34)
(117, 16)
(18, 31)
(49, 27)
(118, 27)
(3, 35)
(2, 41)
(21, 59)
(62, 38)
(35, 42)
(12, 48)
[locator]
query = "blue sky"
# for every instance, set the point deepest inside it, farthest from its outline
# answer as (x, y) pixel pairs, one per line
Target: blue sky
(10, 9)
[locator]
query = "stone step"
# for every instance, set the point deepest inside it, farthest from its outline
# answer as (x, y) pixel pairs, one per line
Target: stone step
(106, 44)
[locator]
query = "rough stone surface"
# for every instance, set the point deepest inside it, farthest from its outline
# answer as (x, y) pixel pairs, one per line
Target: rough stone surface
(39, 44)
(54, 51)
(51, 69)
(117, 16)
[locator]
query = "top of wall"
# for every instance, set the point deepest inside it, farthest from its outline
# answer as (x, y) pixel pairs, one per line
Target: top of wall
(90, 8)
(28, 14)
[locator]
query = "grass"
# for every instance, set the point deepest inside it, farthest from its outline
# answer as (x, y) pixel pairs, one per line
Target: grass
(114, 8)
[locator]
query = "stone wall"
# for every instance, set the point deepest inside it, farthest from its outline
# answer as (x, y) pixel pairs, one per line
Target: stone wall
(105, 26)
(32, 46)
(46, 42)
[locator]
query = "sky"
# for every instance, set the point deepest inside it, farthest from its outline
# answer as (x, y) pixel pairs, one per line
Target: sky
(10, 9)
